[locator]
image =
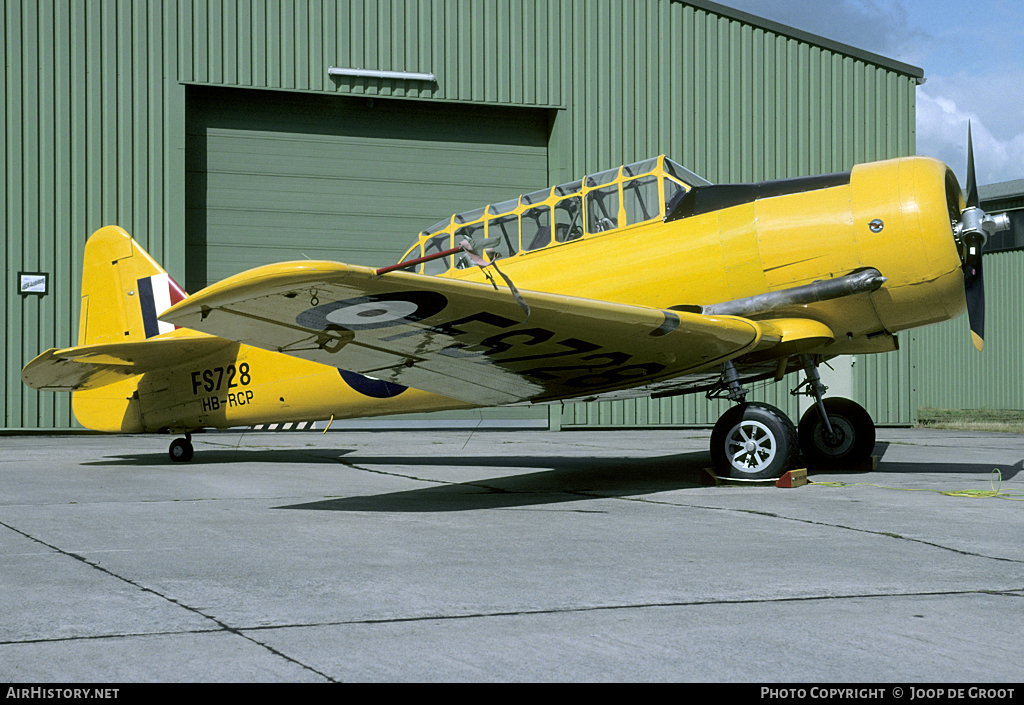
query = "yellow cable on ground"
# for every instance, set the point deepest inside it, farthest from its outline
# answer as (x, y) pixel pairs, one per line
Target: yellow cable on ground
(979, 494)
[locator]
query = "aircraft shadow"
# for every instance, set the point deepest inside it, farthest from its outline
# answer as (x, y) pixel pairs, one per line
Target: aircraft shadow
(557, 479)
(1008, 471)
(229, 455)
(562, 479)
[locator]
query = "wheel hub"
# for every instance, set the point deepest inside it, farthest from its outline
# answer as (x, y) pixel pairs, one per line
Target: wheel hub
(834, 439)
(841, 438)
(750, 446)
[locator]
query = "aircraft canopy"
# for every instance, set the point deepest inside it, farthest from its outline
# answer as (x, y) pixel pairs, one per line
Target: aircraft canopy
(617, 198)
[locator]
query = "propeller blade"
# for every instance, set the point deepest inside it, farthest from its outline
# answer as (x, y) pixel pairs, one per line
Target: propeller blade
(972, 198)
(974, 287)
(975, 228)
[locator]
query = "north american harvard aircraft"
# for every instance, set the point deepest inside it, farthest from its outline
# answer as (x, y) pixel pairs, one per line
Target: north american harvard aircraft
(641, 280)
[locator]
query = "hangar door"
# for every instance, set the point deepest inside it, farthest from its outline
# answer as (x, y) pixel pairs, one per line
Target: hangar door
(274, 176)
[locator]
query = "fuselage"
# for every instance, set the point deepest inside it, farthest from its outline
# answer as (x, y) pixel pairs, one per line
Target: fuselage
(894, 216)
(696, 246)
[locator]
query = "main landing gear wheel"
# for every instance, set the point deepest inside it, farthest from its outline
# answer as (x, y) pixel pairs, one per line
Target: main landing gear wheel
(851, 441)
(754, 442)
(181, 449)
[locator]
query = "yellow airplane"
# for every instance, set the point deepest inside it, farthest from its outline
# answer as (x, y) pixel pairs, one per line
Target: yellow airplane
(641, 280)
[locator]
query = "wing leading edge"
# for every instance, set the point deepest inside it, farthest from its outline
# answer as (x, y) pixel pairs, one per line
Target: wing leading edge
(461, 339)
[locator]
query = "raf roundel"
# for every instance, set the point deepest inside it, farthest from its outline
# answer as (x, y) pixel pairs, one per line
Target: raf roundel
(374, 311)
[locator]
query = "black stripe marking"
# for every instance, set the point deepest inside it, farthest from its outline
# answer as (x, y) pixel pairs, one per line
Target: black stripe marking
(670, 323)
(148, 305)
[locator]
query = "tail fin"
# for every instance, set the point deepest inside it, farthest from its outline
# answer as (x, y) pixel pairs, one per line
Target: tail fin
(123, 290)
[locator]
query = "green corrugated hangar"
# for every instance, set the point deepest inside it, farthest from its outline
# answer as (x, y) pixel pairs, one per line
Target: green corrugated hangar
(952, 375)
(232, 133)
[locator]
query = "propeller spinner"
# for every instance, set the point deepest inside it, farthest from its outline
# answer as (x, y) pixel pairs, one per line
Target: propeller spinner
(972, 232)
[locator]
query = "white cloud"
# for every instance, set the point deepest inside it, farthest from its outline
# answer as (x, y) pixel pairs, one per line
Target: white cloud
(942, 133)
(972, 57)
(884, 27)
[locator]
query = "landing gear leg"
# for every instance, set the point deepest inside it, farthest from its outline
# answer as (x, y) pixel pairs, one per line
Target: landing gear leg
(835, 433)
(181, 449)
(752, 440)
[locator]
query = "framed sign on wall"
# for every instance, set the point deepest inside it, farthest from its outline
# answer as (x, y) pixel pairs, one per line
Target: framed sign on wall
(37, 283)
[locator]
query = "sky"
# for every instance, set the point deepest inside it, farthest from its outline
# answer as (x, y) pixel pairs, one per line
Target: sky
(972, 54)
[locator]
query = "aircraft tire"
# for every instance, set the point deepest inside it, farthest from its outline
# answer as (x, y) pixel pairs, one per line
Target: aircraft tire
(854, 435)
(753, 441)
(181, 450)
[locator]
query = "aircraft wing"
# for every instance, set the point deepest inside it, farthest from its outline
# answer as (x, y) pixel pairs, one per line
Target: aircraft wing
(92, 366)
(461, 339)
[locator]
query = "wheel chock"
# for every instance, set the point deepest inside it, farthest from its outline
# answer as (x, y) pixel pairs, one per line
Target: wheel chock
(793, 478)
(869, 464)
(708, 478)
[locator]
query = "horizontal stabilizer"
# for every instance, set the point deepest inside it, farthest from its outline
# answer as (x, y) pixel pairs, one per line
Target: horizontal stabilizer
(93, 366)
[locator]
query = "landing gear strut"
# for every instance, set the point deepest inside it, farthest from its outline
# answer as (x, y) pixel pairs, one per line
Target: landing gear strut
(757, 441)
(752, 441)
(835, 433)
(181, 449)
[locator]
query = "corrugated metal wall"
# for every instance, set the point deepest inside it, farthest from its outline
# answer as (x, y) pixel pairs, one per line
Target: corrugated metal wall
(482, 51)
(93, 135)
(732, 101)
(952, 374)
(735, 103)
(94, 114)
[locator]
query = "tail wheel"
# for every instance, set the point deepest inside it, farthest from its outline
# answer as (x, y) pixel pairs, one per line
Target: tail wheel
(753, 441)
(851, 441)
